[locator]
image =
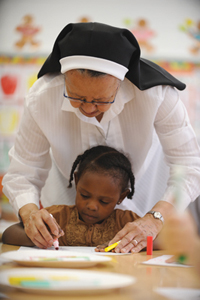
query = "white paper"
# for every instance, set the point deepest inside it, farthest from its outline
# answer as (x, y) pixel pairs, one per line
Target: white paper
(179, 293)
(88, 250)
(161, 261)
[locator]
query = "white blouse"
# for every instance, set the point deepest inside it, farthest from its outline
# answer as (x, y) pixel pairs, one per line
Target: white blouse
(52, 133)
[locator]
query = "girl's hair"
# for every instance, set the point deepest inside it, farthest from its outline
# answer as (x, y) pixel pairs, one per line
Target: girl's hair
(106, 160)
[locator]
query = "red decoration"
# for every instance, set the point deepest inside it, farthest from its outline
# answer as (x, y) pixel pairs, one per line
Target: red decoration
(9, 84)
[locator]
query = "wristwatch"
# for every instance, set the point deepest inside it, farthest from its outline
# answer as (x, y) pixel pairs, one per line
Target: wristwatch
(156, 215)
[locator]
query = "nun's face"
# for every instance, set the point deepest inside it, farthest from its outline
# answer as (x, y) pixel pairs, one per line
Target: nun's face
(100, 89)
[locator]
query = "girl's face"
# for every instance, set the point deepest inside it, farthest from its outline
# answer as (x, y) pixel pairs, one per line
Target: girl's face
(96, 196)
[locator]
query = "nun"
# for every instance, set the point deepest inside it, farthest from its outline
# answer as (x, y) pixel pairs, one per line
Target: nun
(95, 89)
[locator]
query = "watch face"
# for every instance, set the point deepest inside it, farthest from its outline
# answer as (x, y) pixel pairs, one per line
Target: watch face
(157, 215)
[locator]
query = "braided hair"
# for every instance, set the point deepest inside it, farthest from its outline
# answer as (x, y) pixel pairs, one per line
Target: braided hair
(108, 161)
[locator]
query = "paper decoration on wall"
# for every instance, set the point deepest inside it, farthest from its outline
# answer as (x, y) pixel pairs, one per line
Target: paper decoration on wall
(8, 84)
(84, 19)
(9, 120)
(142, 32)
(31, 79)
(192, 29)
(28, 30)
(22, 60)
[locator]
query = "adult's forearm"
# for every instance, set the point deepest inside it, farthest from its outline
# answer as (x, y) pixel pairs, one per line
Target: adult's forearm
(165, 208)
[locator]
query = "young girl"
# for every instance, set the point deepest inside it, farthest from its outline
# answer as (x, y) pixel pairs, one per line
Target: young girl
(102, 179)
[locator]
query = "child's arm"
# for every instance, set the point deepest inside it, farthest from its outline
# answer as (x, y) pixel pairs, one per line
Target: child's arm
(15, 235)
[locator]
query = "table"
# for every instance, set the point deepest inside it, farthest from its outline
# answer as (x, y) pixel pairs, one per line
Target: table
(148, 278)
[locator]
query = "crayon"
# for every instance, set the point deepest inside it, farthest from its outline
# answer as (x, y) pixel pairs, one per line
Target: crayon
(107, 249)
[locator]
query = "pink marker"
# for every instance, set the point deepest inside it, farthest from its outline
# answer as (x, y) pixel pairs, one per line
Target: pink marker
(55, 241)
(56, 244)
(149, 245)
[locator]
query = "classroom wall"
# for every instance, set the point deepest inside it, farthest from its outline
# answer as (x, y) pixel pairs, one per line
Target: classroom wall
(168, 32)
(170, 24)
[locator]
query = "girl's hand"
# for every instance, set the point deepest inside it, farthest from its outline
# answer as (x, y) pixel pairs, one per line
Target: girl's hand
(100, 248)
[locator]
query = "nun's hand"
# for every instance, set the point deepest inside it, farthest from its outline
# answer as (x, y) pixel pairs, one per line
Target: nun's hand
(134, 234)
(35, 225)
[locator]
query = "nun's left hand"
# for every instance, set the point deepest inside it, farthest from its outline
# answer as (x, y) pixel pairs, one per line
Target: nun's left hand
(134, 234)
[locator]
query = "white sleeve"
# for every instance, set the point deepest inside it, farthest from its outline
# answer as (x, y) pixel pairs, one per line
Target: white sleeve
(179, 144)
(30, 164)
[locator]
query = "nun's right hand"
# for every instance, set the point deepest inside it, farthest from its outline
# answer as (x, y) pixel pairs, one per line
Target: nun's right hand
(35, 225)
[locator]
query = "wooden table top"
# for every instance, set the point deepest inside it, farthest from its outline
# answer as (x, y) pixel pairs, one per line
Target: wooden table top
(148, 278)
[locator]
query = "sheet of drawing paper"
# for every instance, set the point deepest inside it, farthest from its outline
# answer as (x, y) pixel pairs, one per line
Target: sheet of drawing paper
(179, 293)
(161, 261)
(88, 250)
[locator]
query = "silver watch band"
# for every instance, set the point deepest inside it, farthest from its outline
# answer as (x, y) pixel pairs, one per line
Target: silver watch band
(156, 215)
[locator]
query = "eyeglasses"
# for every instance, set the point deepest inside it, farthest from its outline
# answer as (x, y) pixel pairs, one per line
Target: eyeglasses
(91, 102)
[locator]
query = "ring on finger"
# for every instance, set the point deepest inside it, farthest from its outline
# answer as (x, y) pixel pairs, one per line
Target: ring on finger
(135, 242)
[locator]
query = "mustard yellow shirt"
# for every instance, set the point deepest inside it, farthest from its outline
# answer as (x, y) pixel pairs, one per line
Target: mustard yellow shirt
(79, 233)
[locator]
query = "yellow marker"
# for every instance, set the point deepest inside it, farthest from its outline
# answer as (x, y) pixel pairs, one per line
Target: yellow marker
(107, 249)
